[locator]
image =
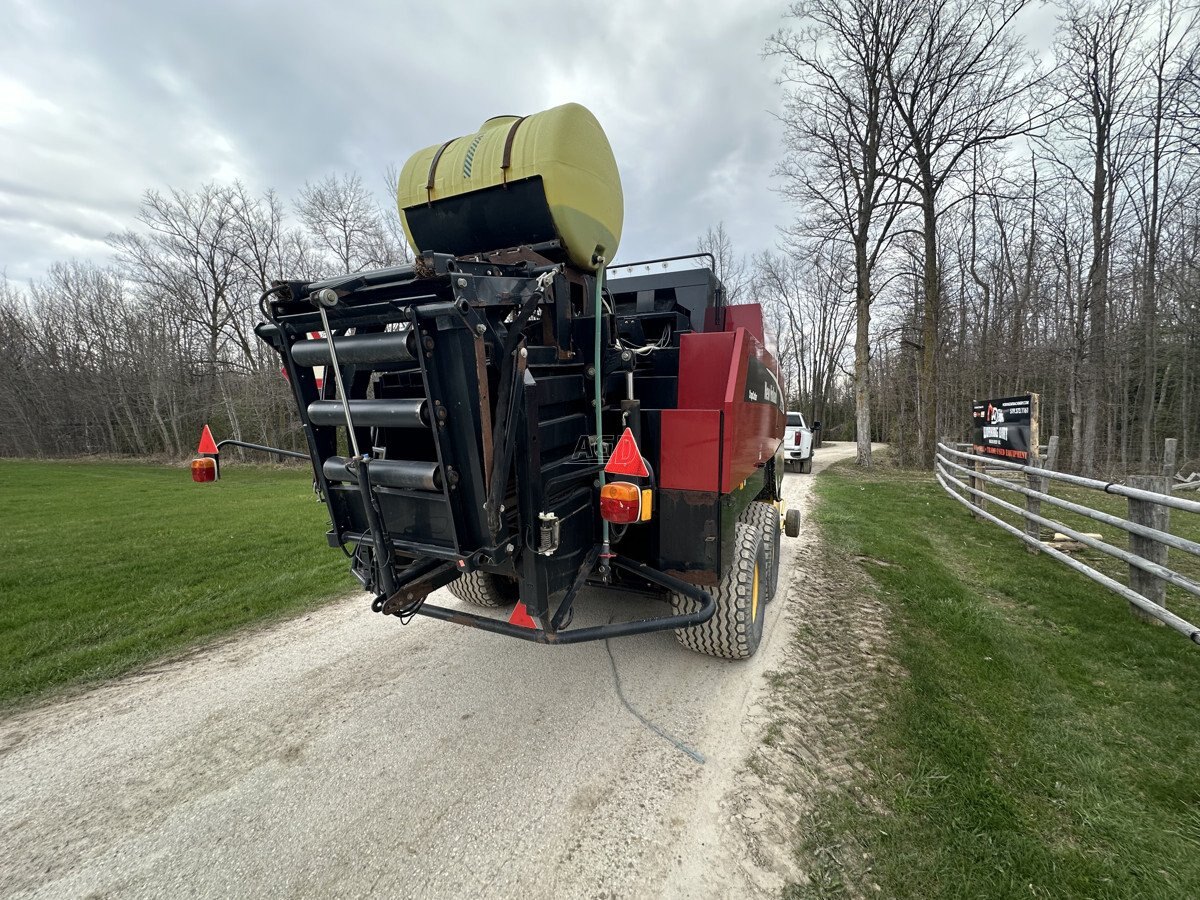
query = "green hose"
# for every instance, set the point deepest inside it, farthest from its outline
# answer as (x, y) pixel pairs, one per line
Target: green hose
(598, 308)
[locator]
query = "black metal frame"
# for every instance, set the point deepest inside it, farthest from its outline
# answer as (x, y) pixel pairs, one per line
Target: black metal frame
(261, 448)
(554, 634)
(500, 349)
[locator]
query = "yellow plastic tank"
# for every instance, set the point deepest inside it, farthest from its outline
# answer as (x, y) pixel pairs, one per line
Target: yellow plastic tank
(517, 180)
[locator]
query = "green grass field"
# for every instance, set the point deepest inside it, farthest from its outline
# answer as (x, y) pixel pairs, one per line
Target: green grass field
(107, 566)
(1043, 743)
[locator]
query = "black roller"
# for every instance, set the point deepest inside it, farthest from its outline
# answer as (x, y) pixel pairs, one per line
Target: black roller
(379, 413)
(400, 473)
(357, 349)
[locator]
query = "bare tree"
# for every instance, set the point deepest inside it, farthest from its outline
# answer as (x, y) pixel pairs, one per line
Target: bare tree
(959, 83)
(1159, 168)
(343, 220)
(817, 303)
(1098, 78)
(731, 267)
(838, 123)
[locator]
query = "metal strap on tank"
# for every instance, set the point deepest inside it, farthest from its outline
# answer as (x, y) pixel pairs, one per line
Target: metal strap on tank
(506, 163)
(433, 168)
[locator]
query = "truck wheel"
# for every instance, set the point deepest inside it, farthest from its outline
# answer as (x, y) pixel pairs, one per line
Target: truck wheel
(791, 523)
(806, 466)
(484, 589)
(735, 630)
(766, 517)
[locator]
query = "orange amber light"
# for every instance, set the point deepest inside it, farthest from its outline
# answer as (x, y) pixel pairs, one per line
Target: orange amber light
(204, 469)
(620, 502)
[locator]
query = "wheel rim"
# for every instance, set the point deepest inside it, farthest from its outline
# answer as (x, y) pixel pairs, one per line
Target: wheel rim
(754, 595)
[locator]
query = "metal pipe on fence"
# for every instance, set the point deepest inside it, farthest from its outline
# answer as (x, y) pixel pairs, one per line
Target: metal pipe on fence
(1108, 487)
(1124, 555)
(1148, 606)
(1145, 531)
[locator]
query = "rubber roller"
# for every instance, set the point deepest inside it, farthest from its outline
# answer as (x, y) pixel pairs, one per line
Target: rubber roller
(399, 473)
(378, 413)
(357, 349)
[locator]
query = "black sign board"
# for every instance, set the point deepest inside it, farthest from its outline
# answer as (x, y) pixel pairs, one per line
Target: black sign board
(1006, 428)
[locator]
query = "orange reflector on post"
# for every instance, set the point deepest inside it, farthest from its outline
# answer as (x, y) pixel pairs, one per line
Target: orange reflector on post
(204, 469)
(620, 502)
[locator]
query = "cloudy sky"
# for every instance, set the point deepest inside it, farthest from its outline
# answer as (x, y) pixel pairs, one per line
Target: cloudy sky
(101, 100)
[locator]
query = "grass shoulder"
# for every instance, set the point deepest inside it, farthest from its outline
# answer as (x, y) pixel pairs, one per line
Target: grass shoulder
(110, 565)
(1041, 741)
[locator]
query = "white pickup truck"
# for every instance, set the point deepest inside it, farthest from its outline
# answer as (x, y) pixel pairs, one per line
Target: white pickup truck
(798, 443)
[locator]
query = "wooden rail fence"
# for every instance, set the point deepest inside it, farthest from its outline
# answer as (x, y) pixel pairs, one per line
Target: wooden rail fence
(966, 476)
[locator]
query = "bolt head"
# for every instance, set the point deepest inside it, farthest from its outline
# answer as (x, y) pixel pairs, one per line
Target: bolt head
(481, 328)
(462, 282)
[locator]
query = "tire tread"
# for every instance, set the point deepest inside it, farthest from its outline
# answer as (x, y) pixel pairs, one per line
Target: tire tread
(730, 633)
(483, 589)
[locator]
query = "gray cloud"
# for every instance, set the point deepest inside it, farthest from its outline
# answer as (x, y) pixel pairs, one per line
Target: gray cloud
(100, 101)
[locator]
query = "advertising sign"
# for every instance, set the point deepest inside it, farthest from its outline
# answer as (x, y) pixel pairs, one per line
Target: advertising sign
(1006, 428)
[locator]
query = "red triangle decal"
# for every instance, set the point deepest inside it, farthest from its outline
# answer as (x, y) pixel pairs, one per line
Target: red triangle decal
(207, 444)
(626, 458)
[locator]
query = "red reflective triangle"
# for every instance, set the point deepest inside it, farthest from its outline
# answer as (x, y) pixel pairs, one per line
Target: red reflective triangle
(207, 444)
(626, 458)
(521, 617)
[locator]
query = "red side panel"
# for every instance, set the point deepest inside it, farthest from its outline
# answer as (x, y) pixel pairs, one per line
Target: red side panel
(690, 450)
(704, 369)
(732, 378)
(754, 416)
(744, 315)
(690, 436)
(741, 445)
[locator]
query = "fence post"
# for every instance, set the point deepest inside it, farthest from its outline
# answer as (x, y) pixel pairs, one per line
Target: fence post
(1033, 505)
(980, 485)
(1051, 460)
(1168, 469)
(1154, 515)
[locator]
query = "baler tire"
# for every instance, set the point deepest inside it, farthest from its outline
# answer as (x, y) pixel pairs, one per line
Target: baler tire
(766, 516)
(806, 466)
(484, 589)
(735, 630)
(791, 523)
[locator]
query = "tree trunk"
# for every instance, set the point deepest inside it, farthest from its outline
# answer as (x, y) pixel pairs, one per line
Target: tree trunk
(930, 333)
(862, 356)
